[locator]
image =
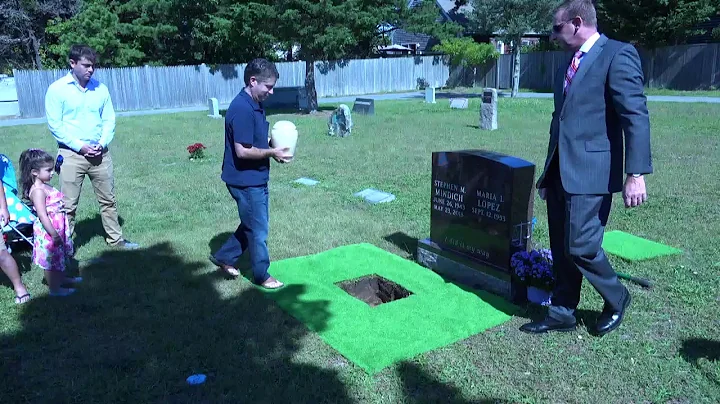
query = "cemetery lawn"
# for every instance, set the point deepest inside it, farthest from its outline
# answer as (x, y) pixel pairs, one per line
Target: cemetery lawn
(145, 320)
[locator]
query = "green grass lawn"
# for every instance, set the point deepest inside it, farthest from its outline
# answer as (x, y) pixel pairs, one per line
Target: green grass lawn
(143, 321)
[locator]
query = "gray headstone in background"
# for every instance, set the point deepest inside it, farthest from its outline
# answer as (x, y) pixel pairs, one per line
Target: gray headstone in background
(488, 109)
(374, 196)
(459, 103)
(340, 122)
(214, 108)
(365, 106)
(430, 95)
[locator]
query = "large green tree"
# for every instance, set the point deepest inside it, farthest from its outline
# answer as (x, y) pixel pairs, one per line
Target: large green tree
(333, 29)
(22, 29)
(467, 53)
(97, 25)
(124, 33)
(652, 23)
(511, 20)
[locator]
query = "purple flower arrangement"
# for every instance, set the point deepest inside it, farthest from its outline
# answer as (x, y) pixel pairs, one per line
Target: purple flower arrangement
(534, 268)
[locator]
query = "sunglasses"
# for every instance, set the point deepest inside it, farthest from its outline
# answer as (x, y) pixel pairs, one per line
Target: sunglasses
(58, 163)
(557, 28)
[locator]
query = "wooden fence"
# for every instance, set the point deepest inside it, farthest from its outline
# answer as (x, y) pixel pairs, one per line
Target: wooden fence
(684, 67)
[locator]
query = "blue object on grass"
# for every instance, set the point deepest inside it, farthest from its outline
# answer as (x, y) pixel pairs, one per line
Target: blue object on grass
(196, 379)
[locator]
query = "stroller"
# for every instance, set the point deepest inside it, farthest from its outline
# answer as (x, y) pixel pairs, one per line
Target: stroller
(22, 217)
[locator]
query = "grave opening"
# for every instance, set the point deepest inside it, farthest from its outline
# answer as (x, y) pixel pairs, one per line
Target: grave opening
(374, 289)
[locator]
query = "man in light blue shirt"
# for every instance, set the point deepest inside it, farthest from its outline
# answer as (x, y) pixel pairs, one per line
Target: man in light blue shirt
(81, 118)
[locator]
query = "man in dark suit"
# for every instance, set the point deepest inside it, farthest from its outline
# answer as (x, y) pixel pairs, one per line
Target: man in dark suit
(598, 98)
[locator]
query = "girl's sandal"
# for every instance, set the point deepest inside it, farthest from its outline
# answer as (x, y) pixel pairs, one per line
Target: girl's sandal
(22, 299)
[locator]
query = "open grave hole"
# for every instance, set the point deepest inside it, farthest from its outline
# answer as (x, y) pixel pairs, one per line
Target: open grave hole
(374, 289)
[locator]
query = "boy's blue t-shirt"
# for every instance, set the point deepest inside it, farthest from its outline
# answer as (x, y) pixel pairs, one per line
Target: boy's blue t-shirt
(245, 123)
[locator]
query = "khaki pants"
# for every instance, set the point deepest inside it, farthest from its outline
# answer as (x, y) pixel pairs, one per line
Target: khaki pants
(100, 170)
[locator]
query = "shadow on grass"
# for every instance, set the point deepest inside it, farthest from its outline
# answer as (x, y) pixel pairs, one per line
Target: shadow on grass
(143, 321)
(242, 264)
(695, 349)
(410, 244)
(91, 227)
(404, 242)
(422, 388)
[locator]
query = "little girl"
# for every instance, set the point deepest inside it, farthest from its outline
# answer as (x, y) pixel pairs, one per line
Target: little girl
(52, 244)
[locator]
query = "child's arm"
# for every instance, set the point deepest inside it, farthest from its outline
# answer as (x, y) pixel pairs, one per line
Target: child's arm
(4, 214)
(37, 196)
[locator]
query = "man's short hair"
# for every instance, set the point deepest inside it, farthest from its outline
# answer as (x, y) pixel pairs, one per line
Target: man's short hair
(79, 51)
(579, 8)
(262, 69)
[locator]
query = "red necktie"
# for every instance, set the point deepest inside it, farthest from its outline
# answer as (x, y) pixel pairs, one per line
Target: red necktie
(572, 69)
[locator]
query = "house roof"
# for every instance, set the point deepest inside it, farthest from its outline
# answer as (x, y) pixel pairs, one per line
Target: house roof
(425, 42)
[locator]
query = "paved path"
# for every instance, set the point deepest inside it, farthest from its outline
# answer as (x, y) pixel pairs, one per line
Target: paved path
(393, 96)
(504, 94)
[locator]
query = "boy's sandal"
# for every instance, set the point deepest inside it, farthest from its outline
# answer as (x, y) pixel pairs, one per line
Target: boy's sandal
(228, 270)
(272, 283)
(22, 299)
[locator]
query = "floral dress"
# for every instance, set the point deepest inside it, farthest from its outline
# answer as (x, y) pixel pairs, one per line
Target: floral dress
(46, 254)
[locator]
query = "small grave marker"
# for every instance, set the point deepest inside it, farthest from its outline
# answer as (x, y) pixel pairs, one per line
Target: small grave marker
(307, 181)
(459, 103)
(374, 196)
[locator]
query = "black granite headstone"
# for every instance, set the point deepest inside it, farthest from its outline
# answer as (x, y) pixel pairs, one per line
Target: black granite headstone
(294, 98)
(481, 214)
(364, 106)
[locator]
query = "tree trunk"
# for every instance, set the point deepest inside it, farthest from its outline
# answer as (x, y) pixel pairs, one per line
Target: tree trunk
(35, 45)
(310, 86)
(289, 56)
(516, 66)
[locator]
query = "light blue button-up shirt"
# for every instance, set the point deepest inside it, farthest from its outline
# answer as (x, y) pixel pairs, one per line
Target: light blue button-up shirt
(77, 115)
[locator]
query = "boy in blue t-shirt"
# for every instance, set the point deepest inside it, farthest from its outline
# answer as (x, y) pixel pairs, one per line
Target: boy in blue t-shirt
(246, 171)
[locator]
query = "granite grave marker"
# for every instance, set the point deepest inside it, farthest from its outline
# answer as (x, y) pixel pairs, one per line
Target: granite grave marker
(481, 213)
(488, 109)
(364, 106)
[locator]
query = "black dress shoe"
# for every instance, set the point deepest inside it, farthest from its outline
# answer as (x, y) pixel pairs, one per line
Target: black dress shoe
(548, 324)
(611, 319)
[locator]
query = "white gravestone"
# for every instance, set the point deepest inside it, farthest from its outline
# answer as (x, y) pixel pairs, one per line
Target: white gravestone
(430, 95)
(214, 108)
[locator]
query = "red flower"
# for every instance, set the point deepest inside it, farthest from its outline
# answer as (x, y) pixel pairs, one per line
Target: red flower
(195, 147)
